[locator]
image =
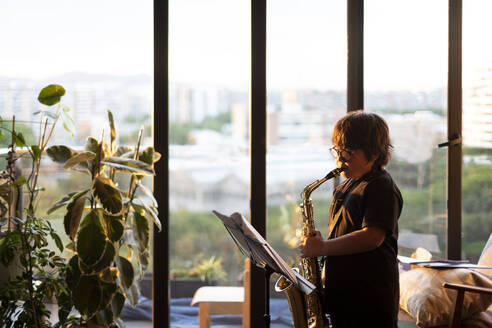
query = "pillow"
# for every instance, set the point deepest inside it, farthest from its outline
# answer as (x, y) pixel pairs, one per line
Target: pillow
(423, 297)
(486, 258)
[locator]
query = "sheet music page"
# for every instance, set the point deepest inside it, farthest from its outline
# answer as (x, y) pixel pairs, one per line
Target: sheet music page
(250, 231)
(442, 264)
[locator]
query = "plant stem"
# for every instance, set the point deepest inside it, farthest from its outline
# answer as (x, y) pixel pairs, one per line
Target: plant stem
(131, 193)
(43, 141)
(10, 173)
(27, 253)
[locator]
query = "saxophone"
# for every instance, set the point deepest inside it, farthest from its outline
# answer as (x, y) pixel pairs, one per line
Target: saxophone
(307, 310)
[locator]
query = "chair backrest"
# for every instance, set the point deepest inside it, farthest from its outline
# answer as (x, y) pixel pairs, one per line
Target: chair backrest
(486, 257)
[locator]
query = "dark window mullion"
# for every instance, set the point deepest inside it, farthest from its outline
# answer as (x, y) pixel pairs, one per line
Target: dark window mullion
(454, 157)
(160, 293)
(258, 151)
(355, 51)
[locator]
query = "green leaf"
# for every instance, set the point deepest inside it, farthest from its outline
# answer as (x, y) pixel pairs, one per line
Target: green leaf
(126, 273)
(143, 258)
(157, 156)
(75, 209)
(1, 136)
(92, 145)
(36, 152)
(60, 154)
(71, 246)
(19, 182)
(147, 155)
(128, 169)
(19, 139)
(78, 159)
(104, 318)
(73, 273)
(148, 193)
(91, 240)
(129, 165)
(105, 192)
(84, 268)
(117, 304)
(133, 295)
(62, 202)
(122, 150)
(65, 304)
(114, 227)
(107, 258)
(51, 94)
(112, 128)
(57, 240)
(67, 120)
(108, 275)
(141, 230)
(88, 295)
(109, 290)
(149, 209)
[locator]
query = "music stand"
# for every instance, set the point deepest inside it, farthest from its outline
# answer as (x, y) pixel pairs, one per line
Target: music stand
(253, 245)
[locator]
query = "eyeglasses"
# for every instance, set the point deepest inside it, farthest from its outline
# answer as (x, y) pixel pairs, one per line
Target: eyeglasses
(341, 153)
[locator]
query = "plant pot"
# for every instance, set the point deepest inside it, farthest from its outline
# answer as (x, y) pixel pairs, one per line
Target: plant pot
(13, 270)
(180, 287)
(186, 288)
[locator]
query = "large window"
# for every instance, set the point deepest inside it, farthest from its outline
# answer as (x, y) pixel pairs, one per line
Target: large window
(477, 128)
(405, 82)
(306, 84)
(209, 48)
(101, 53)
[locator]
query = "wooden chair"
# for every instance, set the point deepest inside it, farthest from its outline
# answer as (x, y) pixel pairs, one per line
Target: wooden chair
(224, 300)
(486, 260)
(455, 320)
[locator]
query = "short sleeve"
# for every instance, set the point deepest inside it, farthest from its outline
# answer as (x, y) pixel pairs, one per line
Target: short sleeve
(382, 204)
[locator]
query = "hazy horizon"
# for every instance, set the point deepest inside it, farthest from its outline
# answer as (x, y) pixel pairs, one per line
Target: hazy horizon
(210, 41)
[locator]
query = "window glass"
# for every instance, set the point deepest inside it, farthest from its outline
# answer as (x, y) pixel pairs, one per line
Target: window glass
(405, 82)
(102, 54)
(477, 128)
(209, 62)
(306, 91)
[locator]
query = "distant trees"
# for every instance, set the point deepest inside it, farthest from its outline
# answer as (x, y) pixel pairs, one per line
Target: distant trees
(180, 132)
(424, 209)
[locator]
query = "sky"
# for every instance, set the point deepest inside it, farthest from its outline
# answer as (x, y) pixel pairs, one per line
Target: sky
(405, 41)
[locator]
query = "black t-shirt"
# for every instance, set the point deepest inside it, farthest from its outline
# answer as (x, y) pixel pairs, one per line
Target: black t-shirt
(372, 200)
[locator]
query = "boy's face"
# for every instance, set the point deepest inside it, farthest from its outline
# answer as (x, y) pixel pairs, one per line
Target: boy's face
(354, 162)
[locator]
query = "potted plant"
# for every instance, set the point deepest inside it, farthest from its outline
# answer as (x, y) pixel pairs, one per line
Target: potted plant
(108, 224)
(186, 278)
(24, 241)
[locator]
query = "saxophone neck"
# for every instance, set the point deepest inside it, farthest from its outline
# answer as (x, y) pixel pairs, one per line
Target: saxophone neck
(306, 192)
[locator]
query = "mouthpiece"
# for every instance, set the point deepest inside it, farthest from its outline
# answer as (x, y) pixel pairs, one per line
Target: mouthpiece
(334, 173)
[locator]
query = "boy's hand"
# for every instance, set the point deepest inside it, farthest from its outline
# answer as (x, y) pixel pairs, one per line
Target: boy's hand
(311, 246)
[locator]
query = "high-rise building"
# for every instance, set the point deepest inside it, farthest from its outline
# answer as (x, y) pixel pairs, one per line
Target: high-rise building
(477, 111)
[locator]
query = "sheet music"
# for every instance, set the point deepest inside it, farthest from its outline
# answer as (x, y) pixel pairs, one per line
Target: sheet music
(442, 264)
(237, 220)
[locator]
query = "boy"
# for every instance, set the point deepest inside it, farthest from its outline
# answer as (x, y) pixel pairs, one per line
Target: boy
(360, 273)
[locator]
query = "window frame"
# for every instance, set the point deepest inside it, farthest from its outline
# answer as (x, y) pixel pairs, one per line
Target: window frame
(355, 100)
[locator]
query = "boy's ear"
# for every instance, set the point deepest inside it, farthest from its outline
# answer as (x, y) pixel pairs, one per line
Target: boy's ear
(373, 158)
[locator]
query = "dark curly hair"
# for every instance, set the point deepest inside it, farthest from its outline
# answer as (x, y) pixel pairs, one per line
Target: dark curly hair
(365, 131)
